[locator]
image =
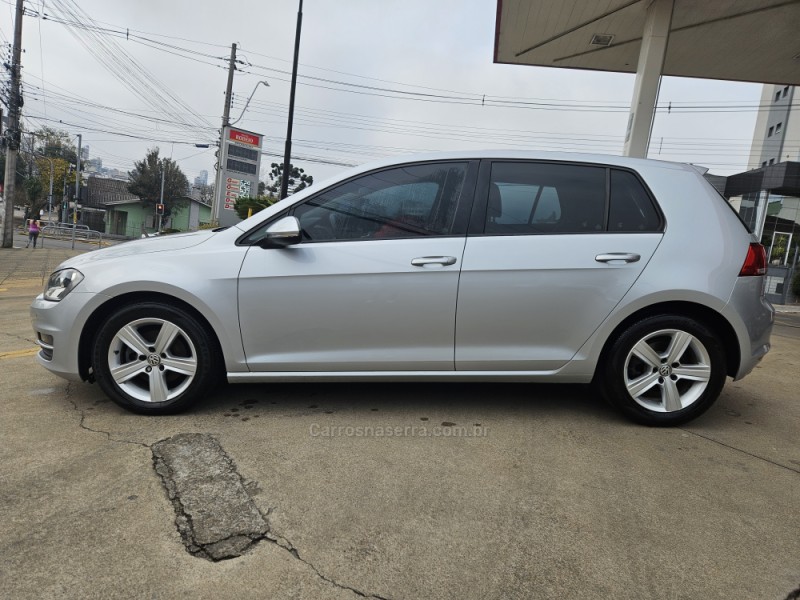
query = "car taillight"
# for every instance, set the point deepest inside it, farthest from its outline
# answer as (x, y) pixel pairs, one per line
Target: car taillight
(756, 261)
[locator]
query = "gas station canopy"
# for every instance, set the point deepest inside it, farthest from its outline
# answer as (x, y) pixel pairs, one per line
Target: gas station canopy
(737, 40)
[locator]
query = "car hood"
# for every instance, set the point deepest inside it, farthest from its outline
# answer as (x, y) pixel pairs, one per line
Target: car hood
(143, 246)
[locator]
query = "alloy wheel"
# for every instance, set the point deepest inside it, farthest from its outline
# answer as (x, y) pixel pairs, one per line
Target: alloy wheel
(152, 360)
(667, 370)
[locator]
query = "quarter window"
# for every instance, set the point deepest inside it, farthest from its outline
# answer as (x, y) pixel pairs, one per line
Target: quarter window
(631, 209)
(410, 201)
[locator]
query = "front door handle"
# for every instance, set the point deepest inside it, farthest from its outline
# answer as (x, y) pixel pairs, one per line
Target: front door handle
(433, 260)
(628, 257)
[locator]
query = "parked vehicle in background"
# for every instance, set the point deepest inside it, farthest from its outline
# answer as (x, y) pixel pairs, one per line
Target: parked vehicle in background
(504, 266)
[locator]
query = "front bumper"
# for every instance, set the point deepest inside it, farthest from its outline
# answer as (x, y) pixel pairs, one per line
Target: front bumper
(58, 326)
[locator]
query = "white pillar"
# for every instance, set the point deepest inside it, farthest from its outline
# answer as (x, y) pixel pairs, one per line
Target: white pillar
(648, 77)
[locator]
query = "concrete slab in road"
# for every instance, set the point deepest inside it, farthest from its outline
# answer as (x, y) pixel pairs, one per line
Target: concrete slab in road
(557, 497)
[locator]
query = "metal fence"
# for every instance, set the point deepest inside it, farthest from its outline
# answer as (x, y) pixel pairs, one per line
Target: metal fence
(72, 231)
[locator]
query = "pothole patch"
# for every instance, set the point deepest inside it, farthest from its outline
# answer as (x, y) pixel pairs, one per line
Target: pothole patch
(214, 513)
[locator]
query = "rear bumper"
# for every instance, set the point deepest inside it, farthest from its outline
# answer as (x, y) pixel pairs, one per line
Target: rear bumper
(752, 317)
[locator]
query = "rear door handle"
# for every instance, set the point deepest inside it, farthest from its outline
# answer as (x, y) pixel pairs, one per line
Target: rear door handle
(628, 257)
(433, 260)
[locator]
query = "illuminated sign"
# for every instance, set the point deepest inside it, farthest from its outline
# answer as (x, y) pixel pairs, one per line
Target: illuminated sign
(237, 177)
(244, 138)
(235, 189)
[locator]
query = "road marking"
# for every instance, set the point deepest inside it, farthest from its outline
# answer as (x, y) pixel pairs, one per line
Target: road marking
(19, 353)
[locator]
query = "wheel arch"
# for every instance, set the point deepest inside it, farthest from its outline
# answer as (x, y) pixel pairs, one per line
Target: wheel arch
(102, 312)
(703, 314)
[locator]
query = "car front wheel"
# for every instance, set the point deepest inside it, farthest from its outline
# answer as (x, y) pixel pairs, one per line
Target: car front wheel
(664, 370)
(154, 358)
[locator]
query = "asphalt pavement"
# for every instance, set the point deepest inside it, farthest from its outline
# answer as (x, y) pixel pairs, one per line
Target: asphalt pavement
(480, 490)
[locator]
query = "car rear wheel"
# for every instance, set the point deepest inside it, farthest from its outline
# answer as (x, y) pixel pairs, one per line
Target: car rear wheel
(154, 358)
(664, 370)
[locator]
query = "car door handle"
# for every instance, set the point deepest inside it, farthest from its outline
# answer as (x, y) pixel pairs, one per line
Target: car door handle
(433, 260)
(628, 257)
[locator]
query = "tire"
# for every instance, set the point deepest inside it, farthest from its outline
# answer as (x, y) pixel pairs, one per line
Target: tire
(153, 358)
(664, 370)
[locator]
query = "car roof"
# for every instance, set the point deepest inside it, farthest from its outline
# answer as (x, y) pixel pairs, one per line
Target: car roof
(511, 154)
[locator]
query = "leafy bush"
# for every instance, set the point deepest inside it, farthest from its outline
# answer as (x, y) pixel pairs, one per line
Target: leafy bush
(259, 203)
(796, 284)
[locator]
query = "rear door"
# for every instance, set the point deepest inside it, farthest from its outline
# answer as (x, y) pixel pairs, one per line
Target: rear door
(553, 248)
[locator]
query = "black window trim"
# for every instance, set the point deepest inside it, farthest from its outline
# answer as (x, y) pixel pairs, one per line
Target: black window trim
(477, 224)
(460, 222)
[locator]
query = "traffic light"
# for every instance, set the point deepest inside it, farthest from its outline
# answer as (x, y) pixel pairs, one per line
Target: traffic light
(159, 209)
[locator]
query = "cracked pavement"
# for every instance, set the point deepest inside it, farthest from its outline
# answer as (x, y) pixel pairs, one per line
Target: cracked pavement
(560, 498)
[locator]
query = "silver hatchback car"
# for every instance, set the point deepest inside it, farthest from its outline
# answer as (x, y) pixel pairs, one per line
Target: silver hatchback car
(505, 266)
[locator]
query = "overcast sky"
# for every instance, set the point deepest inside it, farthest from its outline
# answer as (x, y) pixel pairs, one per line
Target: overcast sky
(377, 78)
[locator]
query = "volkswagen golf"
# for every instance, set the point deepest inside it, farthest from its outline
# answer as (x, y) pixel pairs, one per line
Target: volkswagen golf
(633, 274)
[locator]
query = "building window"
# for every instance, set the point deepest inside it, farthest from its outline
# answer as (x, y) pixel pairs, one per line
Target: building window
(772, 161)
(769, 133)
(778, 127)
(764, 164)
(777, 95)
(785, 91)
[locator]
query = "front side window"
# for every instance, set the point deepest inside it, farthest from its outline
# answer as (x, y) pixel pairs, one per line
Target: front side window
(410, 201)
(531, 198)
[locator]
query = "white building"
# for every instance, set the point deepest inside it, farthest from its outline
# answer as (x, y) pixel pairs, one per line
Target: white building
(201, 179)
(776, 137)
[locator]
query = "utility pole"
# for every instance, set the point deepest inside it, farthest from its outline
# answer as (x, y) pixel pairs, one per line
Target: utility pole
(287, 156)
(77, 191)
(163, 173)
(50, 195)
(63, 218)
(226, 112)
(13, 137)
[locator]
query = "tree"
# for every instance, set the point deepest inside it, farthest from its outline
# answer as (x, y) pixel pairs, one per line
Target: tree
(33, 169)
(145, 181)
(55, 143)
(243, 205)
(298, 180)
(206, 193)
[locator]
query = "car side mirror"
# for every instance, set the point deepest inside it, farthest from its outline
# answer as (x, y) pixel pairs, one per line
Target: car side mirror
(283, 232)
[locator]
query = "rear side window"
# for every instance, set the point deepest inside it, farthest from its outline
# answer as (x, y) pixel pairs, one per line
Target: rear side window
(528, 198)
(531, 198)
(631, 209)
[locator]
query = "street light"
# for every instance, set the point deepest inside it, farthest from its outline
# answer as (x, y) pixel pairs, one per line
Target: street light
(246, 104)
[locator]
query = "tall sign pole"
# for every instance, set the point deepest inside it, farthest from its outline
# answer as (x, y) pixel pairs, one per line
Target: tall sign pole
(226, 112)
(13, 136)
(287, 156)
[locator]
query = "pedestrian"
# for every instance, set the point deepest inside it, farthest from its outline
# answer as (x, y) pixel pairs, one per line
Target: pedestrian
(33, 232)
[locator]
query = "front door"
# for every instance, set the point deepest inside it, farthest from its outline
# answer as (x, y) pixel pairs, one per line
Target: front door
(373, 285)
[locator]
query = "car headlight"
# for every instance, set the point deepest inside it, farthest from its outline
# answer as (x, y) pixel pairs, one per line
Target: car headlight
(61, 283)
